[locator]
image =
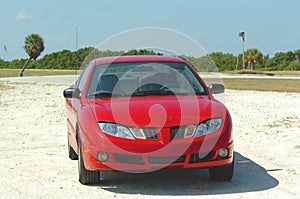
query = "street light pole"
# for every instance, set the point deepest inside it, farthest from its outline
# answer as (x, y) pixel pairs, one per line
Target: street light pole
(242, 35)
(76, 38)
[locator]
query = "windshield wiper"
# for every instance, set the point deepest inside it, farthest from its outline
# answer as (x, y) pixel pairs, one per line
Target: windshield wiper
(152, 92)
(197, 91)
(104, 93)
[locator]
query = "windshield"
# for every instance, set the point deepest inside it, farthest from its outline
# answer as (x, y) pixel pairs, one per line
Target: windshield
(143, 79)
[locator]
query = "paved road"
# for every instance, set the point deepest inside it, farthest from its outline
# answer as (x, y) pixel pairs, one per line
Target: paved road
(254, 76)
(69, 79)
(60, 79)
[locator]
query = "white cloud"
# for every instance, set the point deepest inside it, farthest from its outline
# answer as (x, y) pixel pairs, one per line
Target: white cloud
(22, 15)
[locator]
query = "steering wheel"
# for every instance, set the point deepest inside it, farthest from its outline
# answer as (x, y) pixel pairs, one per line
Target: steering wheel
(167, 87)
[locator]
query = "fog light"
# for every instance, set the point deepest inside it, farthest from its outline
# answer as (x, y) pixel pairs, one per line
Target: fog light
(223, 152)
(102, 156)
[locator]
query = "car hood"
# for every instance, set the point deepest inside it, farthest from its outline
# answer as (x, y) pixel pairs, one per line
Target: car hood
(156, 111)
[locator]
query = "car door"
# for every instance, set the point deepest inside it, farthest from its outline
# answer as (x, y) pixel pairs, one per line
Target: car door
(74, 104)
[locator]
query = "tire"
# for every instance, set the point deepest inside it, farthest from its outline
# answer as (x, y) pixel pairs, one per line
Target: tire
(223, 173)
(72, 154)
(85, 176)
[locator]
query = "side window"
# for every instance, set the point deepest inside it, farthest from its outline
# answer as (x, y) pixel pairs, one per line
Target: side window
(83, 77)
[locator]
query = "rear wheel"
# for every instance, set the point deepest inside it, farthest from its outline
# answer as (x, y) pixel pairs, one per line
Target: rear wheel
(223, 173)
(72, 154)
(86, 176)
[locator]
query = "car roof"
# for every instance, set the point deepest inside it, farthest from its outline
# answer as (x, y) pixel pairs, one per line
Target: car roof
(137, 58)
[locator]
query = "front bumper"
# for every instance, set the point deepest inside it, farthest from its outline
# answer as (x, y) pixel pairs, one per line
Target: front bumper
(195, 155)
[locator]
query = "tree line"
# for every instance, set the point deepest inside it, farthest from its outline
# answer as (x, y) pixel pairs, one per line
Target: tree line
(216, 61)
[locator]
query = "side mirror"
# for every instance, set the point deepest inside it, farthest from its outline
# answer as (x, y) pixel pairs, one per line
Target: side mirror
(216, 88)
(72, 93)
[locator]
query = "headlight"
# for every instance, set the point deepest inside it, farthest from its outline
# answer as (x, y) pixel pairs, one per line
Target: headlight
(138, 132)
(208, 127)
(116, 130)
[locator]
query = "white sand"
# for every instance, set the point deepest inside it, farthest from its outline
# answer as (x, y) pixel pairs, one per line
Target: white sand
(34, 161)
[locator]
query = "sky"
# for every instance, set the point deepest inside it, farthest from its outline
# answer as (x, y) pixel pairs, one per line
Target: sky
(270, 25)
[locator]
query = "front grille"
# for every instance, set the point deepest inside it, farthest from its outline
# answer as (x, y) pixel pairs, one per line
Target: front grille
(129, 159)
(177, 132)
(150, 133)
(166, 159)
(200, 157)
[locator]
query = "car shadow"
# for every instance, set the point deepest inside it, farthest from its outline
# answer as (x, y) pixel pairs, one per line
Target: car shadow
(248, 177)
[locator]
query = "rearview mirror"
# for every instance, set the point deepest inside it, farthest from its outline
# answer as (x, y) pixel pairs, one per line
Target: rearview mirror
(142, 68)
(216, 88)
(72, 93)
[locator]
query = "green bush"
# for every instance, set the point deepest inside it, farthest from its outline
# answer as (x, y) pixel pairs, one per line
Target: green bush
(216, 61)
(295, 65)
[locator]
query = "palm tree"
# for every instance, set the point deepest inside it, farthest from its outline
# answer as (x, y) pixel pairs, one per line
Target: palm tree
(253, 56)
(34, 46)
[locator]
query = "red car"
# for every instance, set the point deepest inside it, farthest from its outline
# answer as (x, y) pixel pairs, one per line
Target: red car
(142, 113)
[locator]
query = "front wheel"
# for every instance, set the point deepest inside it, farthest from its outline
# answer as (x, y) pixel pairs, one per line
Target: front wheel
(223, 173)
(86, 176)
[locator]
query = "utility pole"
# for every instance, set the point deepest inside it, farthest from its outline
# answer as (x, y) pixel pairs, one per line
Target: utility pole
(242, 35)
(5, 52)
(76, 42)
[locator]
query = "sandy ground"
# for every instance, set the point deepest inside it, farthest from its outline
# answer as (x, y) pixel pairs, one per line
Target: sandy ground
(34, 161)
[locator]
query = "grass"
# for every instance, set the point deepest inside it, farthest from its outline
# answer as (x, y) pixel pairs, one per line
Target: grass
(246, 71)
(285, 72)
(279, 85)
(35, 72)
(255, 72)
